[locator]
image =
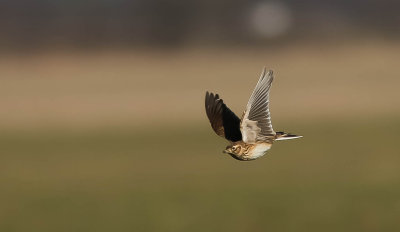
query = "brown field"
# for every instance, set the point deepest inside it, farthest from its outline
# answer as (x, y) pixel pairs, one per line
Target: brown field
(139, 87)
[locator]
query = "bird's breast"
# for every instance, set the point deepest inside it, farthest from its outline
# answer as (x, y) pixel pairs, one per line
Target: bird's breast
(259, 150)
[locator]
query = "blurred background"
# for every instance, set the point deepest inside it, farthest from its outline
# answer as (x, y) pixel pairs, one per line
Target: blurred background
(103, 125)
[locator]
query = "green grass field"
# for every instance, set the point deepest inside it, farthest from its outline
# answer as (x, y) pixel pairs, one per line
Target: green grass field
(342, 176)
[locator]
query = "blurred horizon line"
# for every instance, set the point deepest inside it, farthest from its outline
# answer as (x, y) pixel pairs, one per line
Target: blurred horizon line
(171, 24)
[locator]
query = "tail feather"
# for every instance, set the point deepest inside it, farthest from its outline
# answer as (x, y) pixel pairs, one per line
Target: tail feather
(286, 136)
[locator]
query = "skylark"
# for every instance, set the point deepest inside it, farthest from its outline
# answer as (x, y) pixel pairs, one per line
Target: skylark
(252, 136)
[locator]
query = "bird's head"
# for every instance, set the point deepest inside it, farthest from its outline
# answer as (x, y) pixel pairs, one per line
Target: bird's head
(234, 150)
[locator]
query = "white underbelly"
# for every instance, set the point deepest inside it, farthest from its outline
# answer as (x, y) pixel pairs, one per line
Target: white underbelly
(260, 150)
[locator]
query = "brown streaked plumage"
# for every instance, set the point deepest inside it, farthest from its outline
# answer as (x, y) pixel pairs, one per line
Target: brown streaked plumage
(252, 136)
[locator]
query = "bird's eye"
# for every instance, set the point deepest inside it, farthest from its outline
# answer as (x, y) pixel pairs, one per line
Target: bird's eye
(234, 148)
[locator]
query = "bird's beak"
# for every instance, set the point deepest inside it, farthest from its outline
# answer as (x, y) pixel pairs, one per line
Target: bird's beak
(224, 151)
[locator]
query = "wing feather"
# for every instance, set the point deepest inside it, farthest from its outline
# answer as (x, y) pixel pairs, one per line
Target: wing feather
(223, 121)
(256, 121)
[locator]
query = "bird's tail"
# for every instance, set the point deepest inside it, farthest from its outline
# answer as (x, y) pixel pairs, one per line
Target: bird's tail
(286, 136)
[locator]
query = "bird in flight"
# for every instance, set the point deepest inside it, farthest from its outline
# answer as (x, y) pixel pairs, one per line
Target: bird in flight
(252, 136)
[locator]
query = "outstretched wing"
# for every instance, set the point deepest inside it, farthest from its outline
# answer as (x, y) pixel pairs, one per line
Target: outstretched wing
(256, 121)
(224, 122)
